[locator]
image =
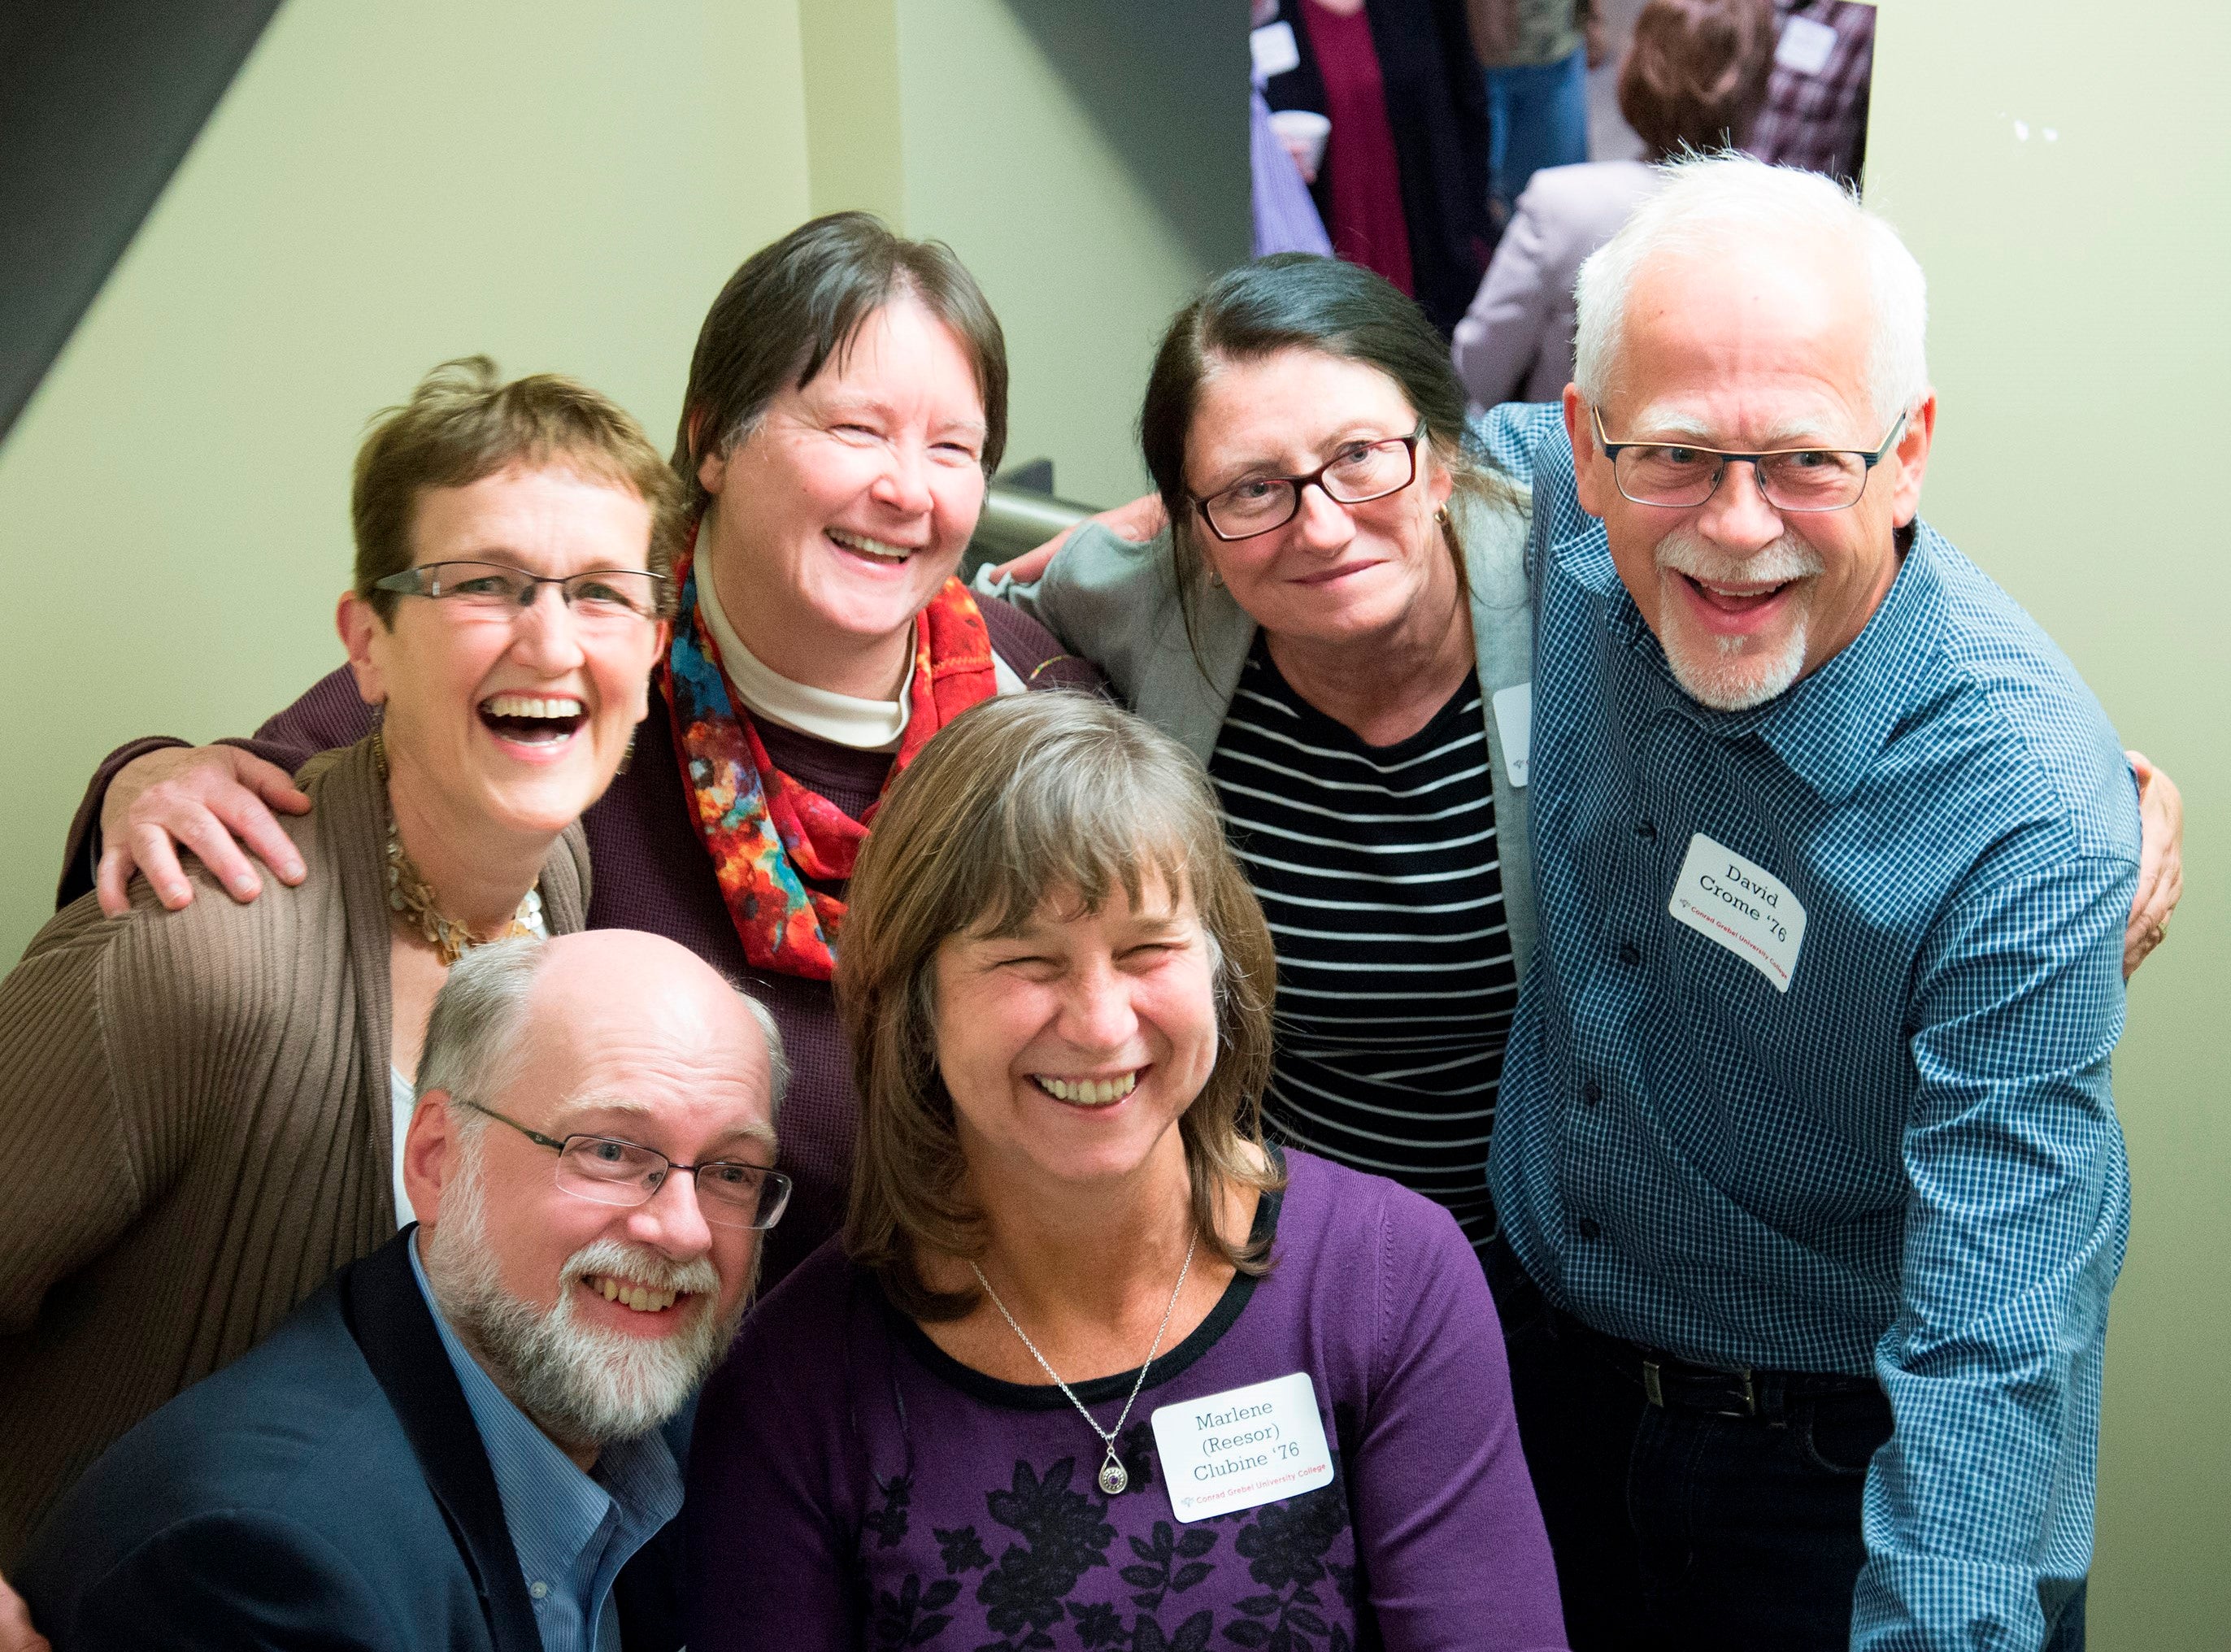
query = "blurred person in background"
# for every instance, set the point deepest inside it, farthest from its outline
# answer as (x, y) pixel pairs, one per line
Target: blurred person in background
(1281, 172)
(1817, 104)
(1402, 189)
(1535, 57)
(1693, 78)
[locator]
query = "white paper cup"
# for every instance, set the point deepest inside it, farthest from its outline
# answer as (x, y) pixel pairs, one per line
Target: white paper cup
(1304, 132)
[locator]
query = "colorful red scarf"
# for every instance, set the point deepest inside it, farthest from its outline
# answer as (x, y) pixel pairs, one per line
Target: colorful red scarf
(767, 833)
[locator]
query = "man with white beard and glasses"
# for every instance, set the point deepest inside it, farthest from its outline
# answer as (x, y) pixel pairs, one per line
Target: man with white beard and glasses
(1811, 1186)
(457, 1442)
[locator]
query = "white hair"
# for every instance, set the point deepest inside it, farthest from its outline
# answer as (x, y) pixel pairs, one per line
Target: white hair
(1722, 202)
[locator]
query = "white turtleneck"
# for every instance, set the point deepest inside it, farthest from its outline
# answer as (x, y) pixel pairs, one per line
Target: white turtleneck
(841, 719)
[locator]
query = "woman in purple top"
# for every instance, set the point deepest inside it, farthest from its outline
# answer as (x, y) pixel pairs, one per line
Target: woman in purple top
(1095, 1367)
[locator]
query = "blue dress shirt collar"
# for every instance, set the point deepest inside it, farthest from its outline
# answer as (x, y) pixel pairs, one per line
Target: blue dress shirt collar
(573, 1531)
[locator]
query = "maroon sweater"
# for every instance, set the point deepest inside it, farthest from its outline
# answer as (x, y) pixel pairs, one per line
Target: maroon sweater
(649, 870)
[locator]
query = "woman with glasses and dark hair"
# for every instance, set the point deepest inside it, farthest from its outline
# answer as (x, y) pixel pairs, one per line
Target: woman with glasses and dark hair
(846, 404)
(1094, 1364)
(203, 1108)
(1338, 628)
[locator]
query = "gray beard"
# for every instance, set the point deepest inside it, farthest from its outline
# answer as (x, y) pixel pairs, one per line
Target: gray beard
(1728, 673)
(583, 1385)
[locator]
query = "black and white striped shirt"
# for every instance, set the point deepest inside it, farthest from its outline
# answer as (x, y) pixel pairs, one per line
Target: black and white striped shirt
(1378, 869)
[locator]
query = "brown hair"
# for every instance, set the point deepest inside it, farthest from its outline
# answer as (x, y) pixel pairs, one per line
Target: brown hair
(797, 302)
(1017, 800)
(1696, 76)
(463, 424)
(1297, 301)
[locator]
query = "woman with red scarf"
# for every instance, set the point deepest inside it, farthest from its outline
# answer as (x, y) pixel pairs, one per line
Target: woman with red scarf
(846, 404)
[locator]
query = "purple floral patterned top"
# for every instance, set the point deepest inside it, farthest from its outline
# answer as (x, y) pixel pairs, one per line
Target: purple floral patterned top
(853, 1486)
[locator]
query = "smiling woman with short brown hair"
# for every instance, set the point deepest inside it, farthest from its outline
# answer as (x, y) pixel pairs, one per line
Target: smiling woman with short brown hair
(1081, 1310)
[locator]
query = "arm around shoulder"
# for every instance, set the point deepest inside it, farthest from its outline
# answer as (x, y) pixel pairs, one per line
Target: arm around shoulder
(2016, 1217)
(1107, 598)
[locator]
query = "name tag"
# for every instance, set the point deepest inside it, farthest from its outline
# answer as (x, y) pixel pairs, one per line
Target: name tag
(1805, 46)
(1514, 727)
(1275, 51)
(1243, 1446)
(1742, 905)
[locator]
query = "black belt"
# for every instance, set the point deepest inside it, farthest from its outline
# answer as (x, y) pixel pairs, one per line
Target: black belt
(1672, 1382)
(1676, 1384)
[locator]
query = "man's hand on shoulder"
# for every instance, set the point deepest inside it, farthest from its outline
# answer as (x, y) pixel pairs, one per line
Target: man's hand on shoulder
(211, 799)
(16, 1633)
(2161, 863)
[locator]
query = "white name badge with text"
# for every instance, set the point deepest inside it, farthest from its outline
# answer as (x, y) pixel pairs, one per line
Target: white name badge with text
(1244, 1447)
(1805, 46)
(1274, 50)
(1514, 727)
(1738, 903)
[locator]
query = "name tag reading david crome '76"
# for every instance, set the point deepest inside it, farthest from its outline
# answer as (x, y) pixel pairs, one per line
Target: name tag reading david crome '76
(1243, 1446)
(1741, 905)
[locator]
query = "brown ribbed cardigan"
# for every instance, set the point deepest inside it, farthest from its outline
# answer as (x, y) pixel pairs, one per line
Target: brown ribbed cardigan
(195, 1130)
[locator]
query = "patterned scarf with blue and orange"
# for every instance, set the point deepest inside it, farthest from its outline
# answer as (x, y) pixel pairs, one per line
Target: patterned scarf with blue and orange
(767, 833)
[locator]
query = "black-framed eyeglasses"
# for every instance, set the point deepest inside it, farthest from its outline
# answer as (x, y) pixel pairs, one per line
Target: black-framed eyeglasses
(1359, 472)
(496, 588)
(607, 1171)
(1680, 476)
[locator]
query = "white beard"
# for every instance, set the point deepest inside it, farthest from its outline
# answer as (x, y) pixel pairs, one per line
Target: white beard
(1727, 673)
(586, 1385)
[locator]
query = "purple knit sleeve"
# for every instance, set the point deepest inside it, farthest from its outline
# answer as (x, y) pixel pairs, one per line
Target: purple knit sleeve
(1448, 1531)
(767, 1566)
(331, 713)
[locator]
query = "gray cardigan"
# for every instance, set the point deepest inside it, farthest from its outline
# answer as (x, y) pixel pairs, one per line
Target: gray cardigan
(1117, 604)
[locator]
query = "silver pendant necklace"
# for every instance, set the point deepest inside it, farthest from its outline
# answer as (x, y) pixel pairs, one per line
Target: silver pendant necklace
(1114, 1477)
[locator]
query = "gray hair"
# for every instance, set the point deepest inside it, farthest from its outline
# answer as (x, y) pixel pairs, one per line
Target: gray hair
(473, 1035)
(1709, 203)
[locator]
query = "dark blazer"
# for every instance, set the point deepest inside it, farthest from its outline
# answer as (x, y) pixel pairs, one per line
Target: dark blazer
(1437, 105)
(328, 1490)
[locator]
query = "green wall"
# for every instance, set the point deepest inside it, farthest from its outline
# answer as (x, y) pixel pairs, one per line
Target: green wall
(563, 186)
(1087, 162)
(2076, 278)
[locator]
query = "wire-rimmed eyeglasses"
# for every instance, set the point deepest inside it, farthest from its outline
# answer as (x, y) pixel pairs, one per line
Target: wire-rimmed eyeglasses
(605, 1170)
(1359, 472)
(497, 588)
(1680, 476)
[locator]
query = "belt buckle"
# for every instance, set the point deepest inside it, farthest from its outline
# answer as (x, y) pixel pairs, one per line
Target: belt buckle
(1750, 1391)
(1652, 1388)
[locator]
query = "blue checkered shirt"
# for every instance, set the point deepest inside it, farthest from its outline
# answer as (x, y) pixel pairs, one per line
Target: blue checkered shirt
(1908, 1162)
(572, 1533)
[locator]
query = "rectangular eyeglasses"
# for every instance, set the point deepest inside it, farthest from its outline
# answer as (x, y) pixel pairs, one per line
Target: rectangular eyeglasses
(607, 1171)
(498, 590)
(1680, 476)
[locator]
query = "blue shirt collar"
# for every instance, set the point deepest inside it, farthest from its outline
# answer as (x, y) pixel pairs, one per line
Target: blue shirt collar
(1830, 727)
(563, 1522)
